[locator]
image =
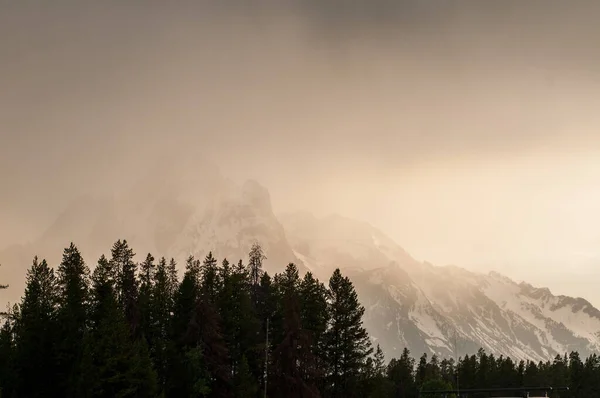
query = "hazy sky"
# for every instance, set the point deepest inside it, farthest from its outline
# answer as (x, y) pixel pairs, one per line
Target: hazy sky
(469, 131)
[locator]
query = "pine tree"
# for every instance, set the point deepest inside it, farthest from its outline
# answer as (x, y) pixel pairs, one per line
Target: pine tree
(36, 332)
(173, 277)
(244, 382)
(127, 286)
(72, 316)
(180, 380)
(115, 365)
(205, 332)
(186, 300)
(160, 308)
(255, 263)
(197, 373)
(146, 279)
(7, 353)
(421, 371)
(210, 279)
(378, 385)
(347, 342)
(240, 325)
(292, 360)
(314, 317)
(379, 362)
(401, 373)
(243, 329)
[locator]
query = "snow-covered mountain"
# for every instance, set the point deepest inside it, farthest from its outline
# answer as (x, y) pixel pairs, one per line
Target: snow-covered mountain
(444, 310)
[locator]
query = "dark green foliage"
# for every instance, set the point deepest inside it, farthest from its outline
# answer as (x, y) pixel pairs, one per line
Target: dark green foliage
(114, 363)
(146, 280)
(244, 382)
(37, 334)
(210, 281)
(347, 344)
(127, 283)
(293, 364)
(160, 306)
(401, 374)
(314, 318)
(124, 333)
(72, 318)
(7, 353)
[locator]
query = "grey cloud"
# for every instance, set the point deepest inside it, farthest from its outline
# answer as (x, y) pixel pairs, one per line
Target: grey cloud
(299, 90)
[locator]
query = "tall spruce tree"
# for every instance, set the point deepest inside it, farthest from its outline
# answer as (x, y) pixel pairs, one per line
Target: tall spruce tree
(210, 281)
(401, 374)
(314, 317)
(241, 326)
(115, 364)
(255, 264)
(293, 361)
(72, 316)
(36, 331)
(146, 279)
(181, 380)
(7, 358)
(160, 309)
(127, 283)
(347, 342)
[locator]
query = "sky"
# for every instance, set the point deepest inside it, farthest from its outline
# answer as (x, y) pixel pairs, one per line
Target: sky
(468, 131)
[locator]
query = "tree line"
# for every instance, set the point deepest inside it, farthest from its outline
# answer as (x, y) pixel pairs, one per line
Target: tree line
(224, 330)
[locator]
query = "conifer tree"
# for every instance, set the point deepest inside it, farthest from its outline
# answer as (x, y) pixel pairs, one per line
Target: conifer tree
(210, 279)
(292, 359)
(378, 385)
(181, 380)
(115, 364)
(347, 342)
(36, 331)
(379, 362)
(241, 326)
(7, 353)
(401, 374)
(255, 263)
(161, 305)
(173, 277)
(314, 317)
(146, 278)
(186, 299)
(127, 286)
(205, 333)
(72, 318)
(244, 382)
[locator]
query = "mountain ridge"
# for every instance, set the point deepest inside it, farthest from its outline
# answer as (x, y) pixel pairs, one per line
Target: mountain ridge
(444, 310)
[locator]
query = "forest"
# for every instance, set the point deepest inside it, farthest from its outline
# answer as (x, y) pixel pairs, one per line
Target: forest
(222, 329)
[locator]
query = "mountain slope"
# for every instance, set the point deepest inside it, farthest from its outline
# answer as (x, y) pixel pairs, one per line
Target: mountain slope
(443, 310)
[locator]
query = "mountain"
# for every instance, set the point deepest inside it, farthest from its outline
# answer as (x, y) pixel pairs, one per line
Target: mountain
(185, 214)
(444, 310)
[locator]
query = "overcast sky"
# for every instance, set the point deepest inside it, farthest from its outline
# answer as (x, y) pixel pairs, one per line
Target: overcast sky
(469, 131)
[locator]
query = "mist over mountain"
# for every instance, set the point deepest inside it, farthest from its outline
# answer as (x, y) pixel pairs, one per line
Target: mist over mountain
(443, 310)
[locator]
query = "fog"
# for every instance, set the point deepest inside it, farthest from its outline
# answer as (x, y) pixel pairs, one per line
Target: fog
(466, 130)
